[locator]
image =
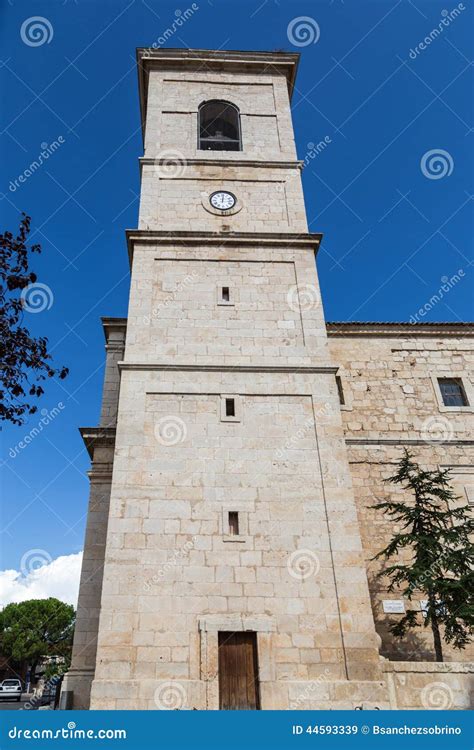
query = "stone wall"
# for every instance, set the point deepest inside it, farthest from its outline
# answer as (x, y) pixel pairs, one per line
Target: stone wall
(176, 316)
(273, 202)
(388, 382)
(100, 444)
(420, 685)
(293, 573)
(174, 97)
(80, 675)
(392, 402)
(114, 329)
(160, 563)
(185, 538)
(177, 177)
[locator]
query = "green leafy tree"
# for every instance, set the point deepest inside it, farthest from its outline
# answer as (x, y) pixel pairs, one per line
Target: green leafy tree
(25, 360)
(35, 628)
(434, 539)
(56, 669)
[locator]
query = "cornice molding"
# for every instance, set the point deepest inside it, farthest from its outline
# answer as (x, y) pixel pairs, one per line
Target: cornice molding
(395, 330)
(454, 330)
(216, 162)
(302, 369)
(99, 476)
(425, 667)
(93, 437)
(402, 441)
(291, 240)
(114, 325)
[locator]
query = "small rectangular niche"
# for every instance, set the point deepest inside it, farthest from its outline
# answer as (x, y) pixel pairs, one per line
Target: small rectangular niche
(340, 390)
(344, 394)
(224, 295)
(230, 407)
(233, 523)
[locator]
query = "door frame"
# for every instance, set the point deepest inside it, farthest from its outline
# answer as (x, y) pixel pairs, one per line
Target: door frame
(210, 626)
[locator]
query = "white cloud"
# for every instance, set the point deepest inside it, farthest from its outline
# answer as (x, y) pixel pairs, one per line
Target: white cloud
(58, 578)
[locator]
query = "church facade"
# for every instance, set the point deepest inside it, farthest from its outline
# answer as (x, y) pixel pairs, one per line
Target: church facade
(243, 441)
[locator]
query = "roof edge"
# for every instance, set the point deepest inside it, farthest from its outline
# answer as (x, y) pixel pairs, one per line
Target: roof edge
(406, 329)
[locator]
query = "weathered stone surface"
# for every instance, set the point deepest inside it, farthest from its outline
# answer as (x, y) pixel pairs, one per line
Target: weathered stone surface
(161, 564)
(388, 375)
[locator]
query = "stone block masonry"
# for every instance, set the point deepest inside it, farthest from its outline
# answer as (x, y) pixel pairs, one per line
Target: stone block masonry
(229, 486)
(389, 376)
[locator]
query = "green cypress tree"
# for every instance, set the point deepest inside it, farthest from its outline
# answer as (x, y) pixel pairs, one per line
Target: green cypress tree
(434, 538)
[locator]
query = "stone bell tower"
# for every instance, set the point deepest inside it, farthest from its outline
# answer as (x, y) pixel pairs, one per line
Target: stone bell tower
(233, 575)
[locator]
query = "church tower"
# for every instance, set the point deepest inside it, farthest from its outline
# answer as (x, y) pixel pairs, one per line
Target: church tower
(232, 574)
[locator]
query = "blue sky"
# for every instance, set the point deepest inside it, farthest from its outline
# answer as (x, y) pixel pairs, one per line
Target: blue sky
(393, 226)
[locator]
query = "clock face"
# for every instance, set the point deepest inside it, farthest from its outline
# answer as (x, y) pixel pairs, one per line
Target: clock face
(222, 200)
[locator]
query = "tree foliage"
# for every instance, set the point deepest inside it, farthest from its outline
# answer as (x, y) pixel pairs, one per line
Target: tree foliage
(434, 537)
(35, 628)
(24, 359)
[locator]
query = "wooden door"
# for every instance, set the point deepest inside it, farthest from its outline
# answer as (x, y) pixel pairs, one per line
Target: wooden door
(238, 672)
